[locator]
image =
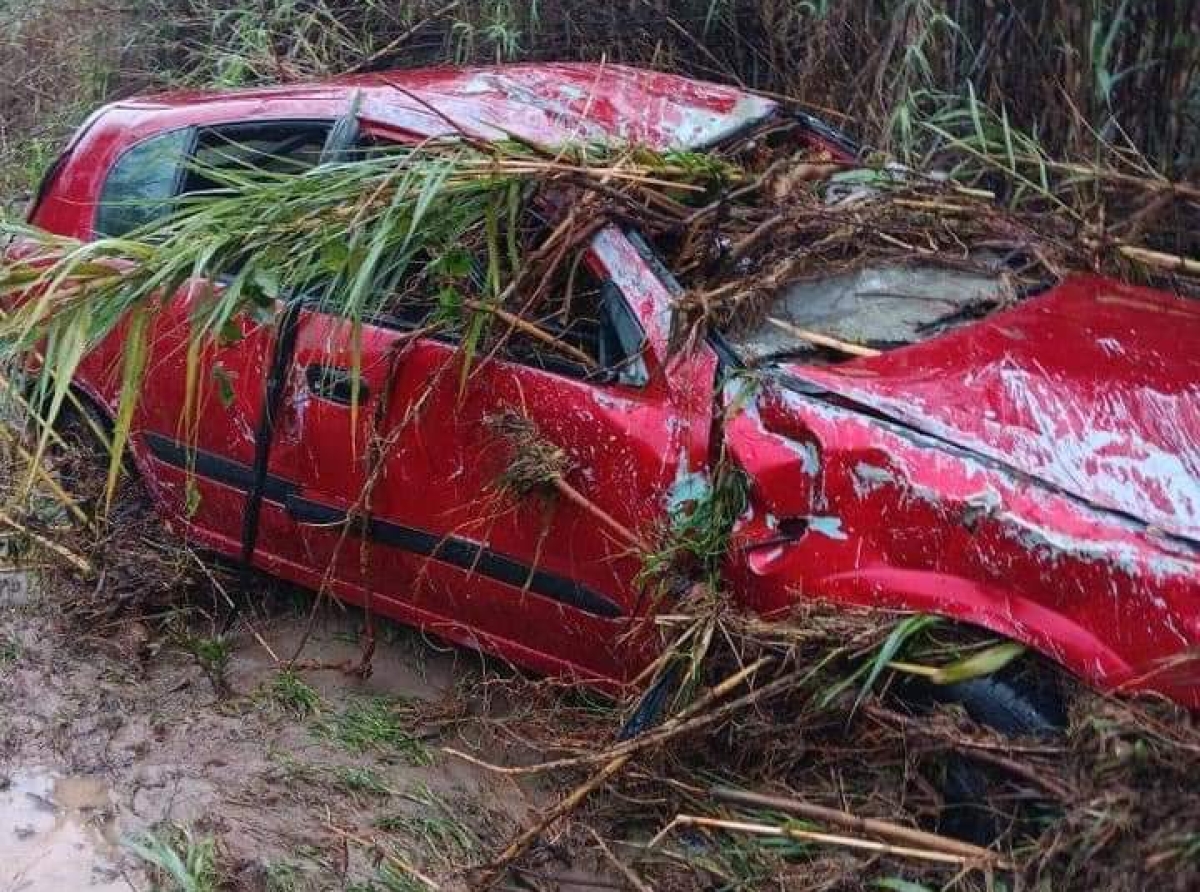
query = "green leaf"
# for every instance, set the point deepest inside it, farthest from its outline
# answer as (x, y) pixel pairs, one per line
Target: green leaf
(450, 302)
(224, 385)
(899, 636)
(17, 278)
(230, 333)
(454, 263)
(267, 281)
(985, 662)
(335, 256)
(470, 346)
(192, 498)
(262, 314)
(133, 369)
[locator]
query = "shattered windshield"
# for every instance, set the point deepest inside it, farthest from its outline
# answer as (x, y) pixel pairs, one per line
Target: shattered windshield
(866, 310)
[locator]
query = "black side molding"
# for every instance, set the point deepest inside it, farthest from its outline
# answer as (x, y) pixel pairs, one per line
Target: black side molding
(216, 467)
(453, 550)
(463, 553)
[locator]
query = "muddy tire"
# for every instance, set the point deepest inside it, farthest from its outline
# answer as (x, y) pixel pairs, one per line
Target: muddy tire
(1021, 701)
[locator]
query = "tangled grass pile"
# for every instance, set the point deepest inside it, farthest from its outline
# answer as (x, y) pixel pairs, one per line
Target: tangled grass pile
(794, 765)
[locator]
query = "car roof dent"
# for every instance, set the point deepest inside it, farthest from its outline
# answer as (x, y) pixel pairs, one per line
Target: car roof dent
(551, 104)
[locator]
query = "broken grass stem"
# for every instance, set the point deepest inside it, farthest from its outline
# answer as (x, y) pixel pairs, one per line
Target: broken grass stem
(565, 806)
(532, 330)
(78, 562)
(391, 857)
(1160, 260)
(872, 826)
(618, 758)
(851, 842)
(688, 719)
(820, 340)
(577, 498)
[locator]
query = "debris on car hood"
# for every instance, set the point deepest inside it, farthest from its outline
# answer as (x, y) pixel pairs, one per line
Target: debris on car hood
(885, 306)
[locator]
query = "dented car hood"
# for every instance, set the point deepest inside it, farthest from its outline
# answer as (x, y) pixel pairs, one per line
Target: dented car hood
(1092, 388)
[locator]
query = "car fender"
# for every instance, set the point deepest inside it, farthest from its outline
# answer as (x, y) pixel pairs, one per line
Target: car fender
(848, 508)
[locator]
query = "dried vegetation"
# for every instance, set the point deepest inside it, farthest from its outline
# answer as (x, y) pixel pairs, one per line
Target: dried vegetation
(762, 756)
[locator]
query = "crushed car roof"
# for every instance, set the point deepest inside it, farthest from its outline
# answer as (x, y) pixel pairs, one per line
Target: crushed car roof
(549, 103)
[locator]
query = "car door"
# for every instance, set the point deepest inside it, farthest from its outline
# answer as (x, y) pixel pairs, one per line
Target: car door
(194, 428)
(545, 580)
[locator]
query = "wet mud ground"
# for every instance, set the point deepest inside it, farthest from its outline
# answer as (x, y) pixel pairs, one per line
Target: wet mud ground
(314, 780)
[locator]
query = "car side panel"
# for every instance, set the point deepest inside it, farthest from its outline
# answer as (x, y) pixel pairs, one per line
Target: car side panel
(850, 509)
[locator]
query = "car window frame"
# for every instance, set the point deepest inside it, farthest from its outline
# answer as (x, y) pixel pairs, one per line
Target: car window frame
(562, 366)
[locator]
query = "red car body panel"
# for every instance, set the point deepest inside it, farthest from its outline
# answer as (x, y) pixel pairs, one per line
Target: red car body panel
(1094, 389)
(1036, 473)
(893, 511)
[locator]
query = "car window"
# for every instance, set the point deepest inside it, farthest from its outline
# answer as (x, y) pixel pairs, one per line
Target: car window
(573, 313)
(577, 308)
(289, 147)
(142, 183)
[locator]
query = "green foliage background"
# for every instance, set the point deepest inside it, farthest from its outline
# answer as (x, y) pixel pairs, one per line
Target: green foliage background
(1076, 74)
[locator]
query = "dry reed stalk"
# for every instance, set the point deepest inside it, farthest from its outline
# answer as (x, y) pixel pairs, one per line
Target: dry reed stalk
(80, 563)
(1172, 263)
(617, 758)
(387, 854)
(41, 473)
(689, 719)
(872, 826)
(539, 334)
(820, 340)
(851, 842)
(517, 847)
(630, 875)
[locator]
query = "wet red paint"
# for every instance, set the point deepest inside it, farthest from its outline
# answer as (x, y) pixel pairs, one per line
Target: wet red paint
(1036, 473)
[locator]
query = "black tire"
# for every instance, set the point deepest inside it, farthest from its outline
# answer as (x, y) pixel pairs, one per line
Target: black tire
(1021, 701)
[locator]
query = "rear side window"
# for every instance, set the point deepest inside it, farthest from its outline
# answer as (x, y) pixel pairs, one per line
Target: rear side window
(587, 314)
(289, 147)
(142, 183)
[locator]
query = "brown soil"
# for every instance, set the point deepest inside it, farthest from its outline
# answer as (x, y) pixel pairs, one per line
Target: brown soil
(105, 735)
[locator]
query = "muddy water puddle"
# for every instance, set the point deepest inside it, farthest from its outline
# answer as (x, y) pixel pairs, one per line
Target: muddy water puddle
(57, 834)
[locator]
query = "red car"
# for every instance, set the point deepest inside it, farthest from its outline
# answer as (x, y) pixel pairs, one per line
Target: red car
(1035, 472)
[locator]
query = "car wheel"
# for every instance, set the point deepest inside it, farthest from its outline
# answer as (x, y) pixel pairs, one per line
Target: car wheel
(1022, 701)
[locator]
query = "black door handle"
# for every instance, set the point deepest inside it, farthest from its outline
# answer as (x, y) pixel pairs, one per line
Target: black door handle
(336, 384)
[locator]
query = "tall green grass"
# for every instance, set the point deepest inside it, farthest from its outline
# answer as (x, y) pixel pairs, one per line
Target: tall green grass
(1077, 77)
(351, 238)
(1069, 72)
